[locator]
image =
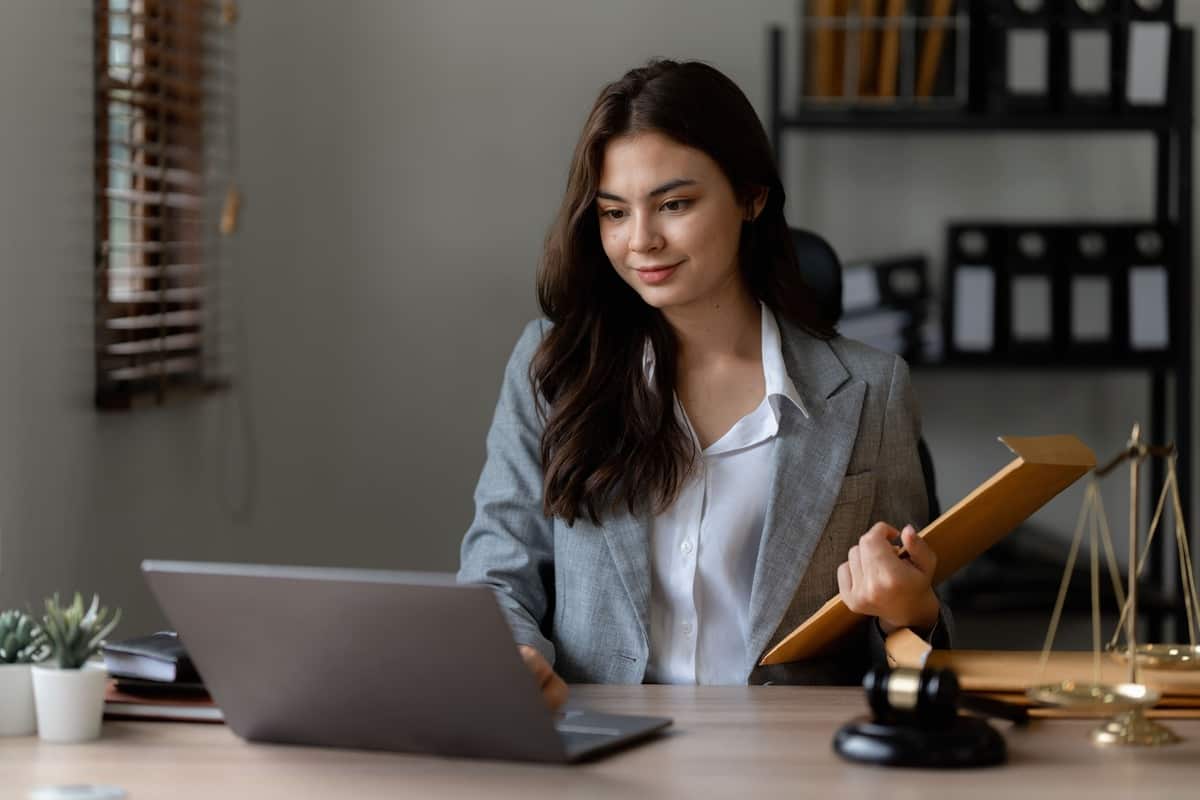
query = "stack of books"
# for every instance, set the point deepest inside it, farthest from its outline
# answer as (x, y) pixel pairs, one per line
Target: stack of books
(152, 677)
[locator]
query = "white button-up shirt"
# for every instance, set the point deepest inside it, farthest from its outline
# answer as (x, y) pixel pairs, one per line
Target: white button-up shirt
(704, 547)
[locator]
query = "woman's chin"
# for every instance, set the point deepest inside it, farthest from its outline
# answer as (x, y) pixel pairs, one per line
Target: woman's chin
(663, 297)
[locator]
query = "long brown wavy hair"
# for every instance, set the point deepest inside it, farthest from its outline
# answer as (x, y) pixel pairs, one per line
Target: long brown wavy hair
(611, 437)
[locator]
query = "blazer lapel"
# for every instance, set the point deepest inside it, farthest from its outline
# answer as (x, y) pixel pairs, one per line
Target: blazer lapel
(628, 538)
(810, 459)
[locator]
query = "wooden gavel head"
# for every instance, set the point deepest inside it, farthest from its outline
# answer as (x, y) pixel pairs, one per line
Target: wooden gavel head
(919, 697)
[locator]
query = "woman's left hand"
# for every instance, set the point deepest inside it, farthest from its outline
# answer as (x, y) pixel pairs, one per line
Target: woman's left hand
(875, 581)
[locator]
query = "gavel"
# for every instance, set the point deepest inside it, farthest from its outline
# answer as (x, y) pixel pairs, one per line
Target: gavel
(915, 722)
(928, 697)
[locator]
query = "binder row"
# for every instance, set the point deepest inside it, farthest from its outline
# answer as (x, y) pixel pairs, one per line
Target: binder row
(884, 53)
(1090, 293)
(1104, 56)
(998, 56)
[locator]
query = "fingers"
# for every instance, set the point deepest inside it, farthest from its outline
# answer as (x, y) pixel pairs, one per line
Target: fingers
(540, 668)
(553, 688)
(875, 581)
(920, 553)
(856, 589)
(854, 563)
(882, 531)
(880, 556)
(555, 692)
(844, 581)
(873, 573)
(876, 543)
(530, 656)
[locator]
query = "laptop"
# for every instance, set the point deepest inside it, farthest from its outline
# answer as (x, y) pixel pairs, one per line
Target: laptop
(372, 659)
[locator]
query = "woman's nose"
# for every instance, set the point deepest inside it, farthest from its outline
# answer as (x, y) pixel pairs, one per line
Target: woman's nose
(645, 238)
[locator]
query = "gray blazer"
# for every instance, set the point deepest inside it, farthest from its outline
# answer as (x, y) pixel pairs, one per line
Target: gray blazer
(580, 594)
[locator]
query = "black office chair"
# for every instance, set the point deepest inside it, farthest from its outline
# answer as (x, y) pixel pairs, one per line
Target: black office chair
(822, 273)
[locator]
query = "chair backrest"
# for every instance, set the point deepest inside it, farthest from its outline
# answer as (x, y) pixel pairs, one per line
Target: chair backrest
(820, 268)
(822, 272)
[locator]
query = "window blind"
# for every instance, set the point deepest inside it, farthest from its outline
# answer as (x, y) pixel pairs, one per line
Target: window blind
(165, 197)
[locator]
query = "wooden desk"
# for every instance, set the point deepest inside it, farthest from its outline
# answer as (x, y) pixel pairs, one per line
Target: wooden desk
(771, 741)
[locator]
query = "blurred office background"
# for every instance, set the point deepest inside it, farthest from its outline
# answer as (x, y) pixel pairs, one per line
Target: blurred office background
(400, 163)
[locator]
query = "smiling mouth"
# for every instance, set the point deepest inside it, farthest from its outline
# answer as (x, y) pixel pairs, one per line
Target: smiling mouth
(657, 268)
(653, 276)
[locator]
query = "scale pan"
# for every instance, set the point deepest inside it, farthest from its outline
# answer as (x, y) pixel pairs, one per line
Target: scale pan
(1100, 697)
(1162, 656)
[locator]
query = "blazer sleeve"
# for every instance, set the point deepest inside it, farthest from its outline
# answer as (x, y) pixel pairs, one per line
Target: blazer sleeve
(900, 496)
(510, 543)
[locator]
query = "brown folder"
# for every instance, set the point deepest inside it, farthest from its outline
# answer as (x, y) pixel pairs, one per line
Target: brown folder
(823, 49)
(932, 45)
(868, 10)
(1006, 674)
(889, 51)
(1017, 670)
(1045, 465)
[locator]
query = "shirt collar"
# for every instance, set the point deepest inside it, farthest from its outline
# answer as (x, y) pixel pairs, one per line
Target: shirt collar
(779, 383)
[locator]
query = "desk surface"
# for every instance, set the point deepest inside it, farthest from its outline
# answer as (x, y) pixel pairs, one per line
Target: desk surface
(772, 740)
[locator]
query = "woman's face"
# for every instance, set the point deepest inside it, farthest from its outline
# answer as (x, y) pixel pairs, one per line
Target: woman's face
(669, 221)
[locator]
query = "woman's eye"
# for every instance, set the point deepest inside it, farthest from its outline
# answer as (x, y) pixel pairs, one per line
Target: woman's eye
(612, 213)
(676, 205)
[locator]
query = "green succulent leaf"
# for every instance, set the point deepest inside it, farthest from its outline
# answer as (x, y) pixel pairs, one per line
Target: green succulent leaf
(74, 633)
(21, 640)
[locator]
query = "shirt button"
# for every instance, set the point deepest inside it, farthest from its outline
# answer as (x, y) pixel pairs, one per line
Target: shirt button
(687, 628)
(686, 547)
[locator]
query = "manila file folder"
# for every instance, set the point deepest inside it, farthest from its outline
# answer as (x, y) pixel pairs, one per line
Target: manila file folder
(1044, 466)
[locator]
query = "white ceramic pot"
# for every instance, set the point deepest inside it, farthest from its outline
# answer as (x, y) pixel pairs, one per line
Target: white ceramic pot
(16, 700)
(70, 702)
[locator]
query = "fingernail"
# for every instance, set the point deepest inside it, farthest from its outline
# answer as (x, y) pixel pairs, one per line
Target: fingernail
(909, 529)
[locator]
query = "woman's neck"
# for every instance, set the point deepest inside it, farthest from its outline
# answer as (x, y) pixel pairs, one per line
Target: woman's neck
(718, 328)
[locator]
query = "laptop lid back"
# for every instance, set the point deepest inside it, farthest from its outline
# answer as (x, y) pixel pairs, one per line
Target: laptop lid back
(365, 659)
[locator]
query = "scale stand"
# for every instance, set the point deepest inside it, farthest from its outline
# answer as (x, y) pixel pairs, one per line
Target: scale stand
(1127, 701)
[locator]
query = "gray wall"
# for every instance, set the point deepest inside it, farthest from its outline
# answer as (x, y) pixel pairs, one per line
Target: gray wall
(400, 163)
(82, 496)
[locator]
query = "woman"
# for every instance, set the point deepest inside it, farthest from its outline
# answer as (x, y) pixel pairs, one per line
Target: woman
(685, 459)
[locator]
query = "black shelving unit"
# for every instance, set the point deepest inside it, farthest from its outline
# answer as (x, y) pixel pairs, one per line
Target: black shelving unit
(1170, 132)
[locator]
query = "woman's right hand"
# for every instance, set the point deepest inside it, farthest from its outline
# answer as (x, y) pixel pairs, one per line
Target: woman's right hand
(554, 688)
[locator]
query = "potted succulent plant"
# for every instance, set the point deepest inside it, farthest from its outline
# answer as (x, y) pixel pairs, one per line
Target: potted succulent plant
(22, 644)
(70, 694)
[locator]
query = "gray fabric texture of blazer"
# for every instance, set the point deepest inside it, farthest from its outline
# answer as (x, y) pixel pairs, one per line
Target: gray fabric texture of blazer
(580, 594)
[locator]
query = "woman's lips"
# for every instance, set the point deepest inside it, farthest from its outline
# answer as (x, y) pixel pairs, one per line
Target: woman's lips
(657, 274)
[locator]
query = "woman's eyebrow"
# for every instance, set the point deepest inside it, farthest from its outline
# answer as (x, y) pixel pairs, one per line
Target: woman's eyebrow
(666, 187)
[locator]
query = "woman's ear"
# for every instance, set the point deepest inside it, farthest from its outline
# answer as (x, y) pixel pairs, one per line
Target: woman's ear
(757, 201)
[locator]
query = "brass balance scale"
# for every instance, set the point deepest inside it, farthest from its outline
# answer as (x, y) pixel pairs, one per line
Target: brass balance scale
(1127, 701)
